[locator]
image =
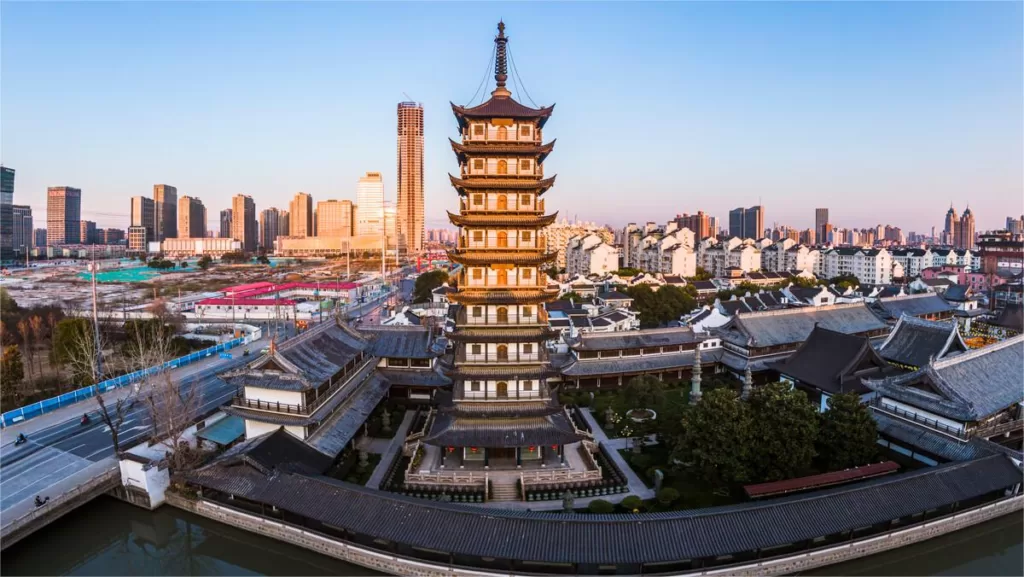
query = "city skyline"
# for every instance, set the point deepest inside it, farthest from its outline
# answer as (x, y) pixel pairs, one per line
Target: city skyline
(915, 146)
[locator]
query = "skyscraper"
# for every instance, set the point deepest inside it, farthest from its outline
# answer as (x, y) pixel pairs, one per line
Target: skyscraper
(820, 220)
(166, 198)
(301, 215)
(270, 228)
(950, 231)
(334, 218)
(243, 221)
(144, 215)
(736, 220)
(6, 213)
(410, 176)
(63, 215)
(370, 199)
(86, 232)
(22, 233)
(191, 218)
(225, 223)
(753, 222)
(965, 232)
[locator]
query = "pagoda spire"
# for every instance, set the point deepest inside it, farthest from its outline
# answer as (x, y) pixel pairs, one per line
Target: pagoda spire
(500, 63)
(695, 393)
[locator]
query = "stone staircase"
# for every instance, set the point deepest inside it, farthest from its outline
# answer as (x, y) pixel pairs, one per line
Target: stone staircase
(504, 491)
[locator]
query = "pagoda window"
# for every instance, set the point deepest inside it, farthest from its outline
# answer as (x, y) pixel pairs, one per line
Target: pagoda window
(502, 133)
(476, 349)
(527, 385)
(474, 386)
(502, 239)
(526, 273)
(502, 277)
(502, 352)
(502, 202)
(524, 165)
(503, 386)
(478, 236)
(502, 313)
(478, 199)
(478, 312)
(478, 130)
(526, 236)
(478, 164)
(478, 274)
(527, 311)
(503, 165)
(524, 130)
(524, 199)
(528, 348)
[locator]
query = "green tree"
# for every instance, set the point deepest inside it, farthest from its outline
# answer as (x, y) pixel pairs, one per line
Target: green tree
(262, 259)
(426, 283)
(205, 262)
(235, 257)
(573, 296)
(784, 426)
(628, 271)
(844, 281)
(657, 308)
(601, 507)
(644, 392)
(7, 303)
(847, 434)
(805, 282)
(702, 274)
(12, 372)
(715, 439)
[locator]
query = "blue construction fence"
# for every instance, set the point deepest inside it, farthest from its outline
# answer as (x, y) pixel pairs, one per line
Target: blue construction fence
(52, 404)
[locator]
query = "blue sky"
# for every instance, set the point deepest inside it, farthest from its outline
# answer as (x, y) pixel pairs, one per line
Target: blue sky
(881, 112)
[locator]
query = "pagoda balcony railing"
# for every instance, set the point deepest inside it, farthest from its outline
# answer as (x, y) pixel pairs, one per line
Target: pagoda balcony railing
(485, 395)
(306, 409)
(540, 244)
(933, 424)
(465, 205)
(276, 407)
(466, 319)
(448, 479)
(999, 428)
(539, 355)
(555, 476)
(537, 137)
(538, 172)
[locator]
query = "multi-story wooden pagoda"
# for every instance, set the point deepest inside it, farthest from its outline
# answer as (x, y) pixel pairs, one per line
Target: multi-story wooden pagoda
(502, 413)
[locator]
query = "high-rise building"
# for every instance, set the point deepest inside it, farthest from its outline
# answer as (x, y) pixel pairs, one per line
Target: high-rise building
(965, 232)
(39, 237)
(334, 218)
(370, 199)
(410, 176)
(270, 228)
(144, 215)
(301, 215)
(747, 222)
(191, 218)
(820, 220)
(63, 215)
(243, 221)
(22, 236)
(283, 223)
(86, 232)
(138, 239)
(225, 223)
(699, 223)
(952, 224)
(736, 220)
(165, 198)
(391, 224)
(713, 226)
(1015, 225)
(112, 236)
(6, 213)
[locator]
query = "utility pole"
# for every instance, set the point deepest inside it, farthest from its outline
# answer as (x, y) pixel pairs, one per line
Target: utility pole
(96, 322)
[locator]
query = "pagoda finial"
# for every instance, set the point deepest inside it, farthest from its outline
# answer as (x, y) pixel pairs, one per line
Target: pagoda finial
(273, 346)
(500, 63)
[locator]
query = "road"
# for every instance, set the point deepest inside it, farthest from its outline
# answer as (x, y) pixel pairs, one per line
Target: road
(59, 446)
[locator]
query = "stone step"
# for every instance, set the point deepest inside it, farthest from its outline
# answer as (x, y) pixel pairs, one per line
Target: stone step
(507, 492)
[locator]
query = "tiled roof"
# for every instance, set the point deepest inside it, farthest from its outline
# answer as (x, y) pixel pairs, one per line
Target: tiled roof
(503, 107)
(479, 257)
(502, 183)
(914, 305)
(400, 342)
(509, 147)
(636, 365)
(615, 538)
(833, 362)
(276, 451)
(415, 377)
(502, 335)
(346, 422)
(1011, 317)
(787, 326)
(634, 339)
(914, 341)
(937, 444)
(510, 219)
(500, 431)
(485, 372)
(471, 297)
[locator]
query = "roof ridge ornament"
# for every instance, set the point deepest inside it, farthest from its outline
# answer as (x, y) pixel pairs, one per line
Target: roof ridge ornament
(500, 63)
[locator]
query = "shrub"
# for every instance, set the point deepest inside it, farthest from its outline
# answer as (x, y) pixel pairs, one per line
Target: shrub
(667, 495)
(641, 461)
(600, 506)
(632, 503)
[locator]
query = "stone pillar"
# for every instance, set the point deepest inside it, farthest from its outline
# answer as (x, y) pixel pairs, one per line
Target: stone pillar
(695, 393)
(487, 462)
(519, 457)
(748, 383)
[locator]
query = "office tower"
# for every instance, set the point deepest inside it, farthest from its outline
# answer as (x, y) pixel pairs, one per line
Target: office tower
(713, 229)
(63, 215)
(1015, 225)
(283, 223)
(138, 238)
(191, 218)
(952, 224)
(699, 223)
(370, 199)
(22, 234)
(144, 215)
(965, 232)
(112, 236)
(243, 221)
(166, 198)
(410, 176)
(86, 232)
(39, 237)
(736, 220)
(6, 213)
(820, 220)
(391, 224)
(225, 223)
(270, 228)
(753, 222)
(334, 218)
(301, 219)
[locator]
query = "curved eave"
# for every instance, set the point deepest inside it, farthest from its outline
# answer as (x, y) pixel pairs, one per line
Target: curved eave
(462, 114)
(464, 151)
(467, 186)
(486, 372)
(487, 258)
(503, 297)
(503, 335)
(502, 221)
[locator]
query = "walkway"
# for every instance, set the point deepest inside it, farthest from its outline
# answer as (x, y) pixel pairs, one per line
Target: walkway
(391, 452)
(636, 485)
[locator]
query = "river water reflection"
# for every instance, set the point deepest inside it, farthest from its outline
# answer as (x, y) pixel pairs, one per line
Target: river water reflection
(108, 537)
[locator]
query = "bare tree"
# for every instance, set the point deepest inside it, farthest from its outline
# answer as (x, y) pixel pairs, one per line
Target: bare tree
(113, 414)
(25, 330)
(80, 350)
(36, 324)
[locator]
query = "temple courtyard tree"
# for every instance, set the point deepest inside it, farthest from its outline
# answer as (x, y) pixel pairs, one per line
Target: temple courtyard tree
(426, 283)
(644, 392)
(784, 429)
(847, 434)
(715, 441)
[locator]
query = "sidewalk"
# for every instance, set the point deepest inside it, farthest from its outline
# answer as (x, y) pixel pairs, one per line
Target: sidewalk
(393, 448)
(636, 485)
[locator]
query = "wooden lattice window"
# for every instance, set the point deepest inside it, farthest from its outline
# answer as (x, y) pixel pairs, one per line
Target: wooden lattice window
(524, 165)
(478, 274)
(527, 311)
(474, 386)
(476, 349)
(478, 236)
(526, 236)
(502, 167)
(525, 199)
(478, 130)
(528, 349)
(478, 312)
(478, 199)
(478, 164)
(527, 385)
(502, 133)
(524, 130)
(527, 273)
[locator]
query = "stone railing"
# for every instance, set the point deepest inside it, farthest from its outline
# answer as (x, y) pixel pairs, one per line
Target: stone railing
(448, 478)
(542, 477)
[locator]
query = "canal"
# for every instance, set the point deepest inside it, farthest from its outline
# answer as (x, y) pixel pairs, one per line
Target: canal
(108, 537)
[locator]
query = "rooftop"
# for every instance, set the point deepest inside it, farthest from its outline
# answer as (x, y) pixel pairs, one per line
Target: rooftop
(787, 326)
(913, 341)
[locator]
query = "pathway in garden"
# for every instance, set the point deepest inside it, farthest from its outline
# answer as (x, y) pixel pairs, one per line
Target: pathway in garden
(636, 485)
(391, 452)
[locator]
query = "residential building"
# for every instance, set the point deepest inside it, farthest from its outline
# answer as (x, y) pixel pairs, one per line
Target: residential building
(590, 254)
(820, 220)
(196, 246)
(112, 236)
(243, 221)
(191, 218)
(390, 225)
(22, 233)
(63, 215)
(138, 239)
(86, 232)
(270, 228)
(670, 254)
(870, 266)
(965, 232)
(39, 237)
(1015, 225)
(951, 232)
(7, 244)
(283, 223)
(165, 198)
(699, 223)
(370, 200)
(225, 223)
(718, 256)
(334, 218)
(301, 216)
(410, 177)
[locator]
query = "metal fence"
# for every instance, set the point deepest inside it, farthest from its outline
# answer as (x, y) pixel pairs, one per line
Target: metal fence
(54, 403)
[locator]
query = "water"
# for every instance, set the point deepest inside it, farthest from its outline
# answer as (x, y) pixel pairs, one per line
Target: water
(134, 274)
(108, 537)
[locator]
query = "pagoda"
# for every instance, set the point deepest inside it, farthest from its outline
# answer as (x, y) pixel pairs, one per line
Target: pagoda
(501, 413)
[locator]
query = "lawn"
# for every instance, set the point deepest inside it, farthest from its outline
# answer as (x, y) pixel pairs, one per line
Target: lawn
(693, 494)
